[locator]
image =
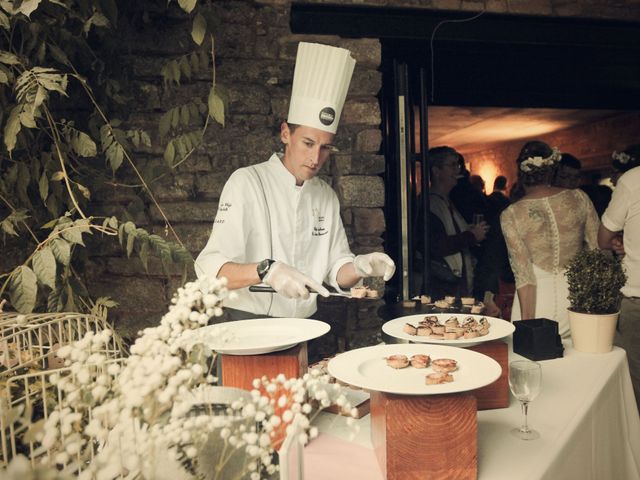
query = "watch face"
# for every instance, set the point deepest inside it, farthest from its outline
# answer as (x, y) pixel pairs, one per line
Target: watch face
(263, 268)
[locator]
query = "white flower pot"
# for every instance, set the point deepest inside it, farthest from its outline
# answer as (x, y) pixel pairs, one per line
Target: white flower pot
(592, 333)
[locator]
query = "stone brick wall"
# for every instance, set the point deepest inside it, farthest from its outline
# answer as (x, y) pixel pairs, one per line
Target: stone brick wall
(255, 51)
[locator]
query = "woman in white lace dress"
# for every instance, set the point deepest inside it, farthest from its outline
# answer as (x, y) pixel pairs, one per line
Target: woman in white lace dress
(543, 231)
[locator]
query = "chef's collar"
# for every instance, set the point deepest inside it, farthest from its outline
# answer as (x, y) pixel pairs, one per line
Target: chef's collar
(283, 174)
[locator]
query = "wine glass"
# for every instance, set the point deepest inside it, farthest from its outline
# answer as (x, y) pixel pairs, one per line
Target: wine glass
(525, 382)
(478, 218)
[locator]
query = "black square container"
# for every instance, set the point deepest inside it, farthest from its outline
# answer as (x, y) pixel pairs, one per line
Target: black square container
(537, 339)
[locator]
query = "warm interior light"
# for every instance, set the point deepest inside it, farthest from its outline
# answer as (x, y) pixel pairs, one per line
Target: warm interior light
(488, 171)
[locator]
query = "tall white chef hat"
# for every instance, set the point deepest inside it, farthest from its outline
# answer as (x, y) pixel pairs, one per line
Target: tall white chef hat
(320, 83)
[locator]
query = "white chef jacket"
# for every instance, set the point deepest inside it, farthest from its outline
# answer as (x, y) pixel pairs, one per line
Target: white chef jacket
(623, 213)
(263, 214)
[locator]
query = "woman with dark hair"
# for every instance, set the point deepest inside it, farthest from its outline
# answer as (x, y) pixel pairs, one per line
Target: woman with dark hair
(625, 161)
(543, 231)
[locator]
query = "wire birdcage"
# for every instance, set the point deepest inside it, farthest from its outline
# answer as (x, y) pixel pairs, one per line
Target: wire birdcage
(29, 341)
(28, 398)
(27, 356)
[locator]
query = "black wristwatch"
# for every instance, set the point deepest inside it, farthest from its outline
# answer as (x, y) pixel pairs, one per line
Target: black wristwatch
(263, 267)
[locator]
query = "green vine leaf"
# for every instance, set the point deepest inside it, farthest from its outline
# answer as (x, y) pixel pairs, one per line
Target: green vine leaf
(216, 107)
(72, 234)
(98, 20)
(12, 128)
(169, 153)
(54, 301)
(23, 289)
(187, 5)
(4, 21)
(199, 28)
(83, 145)
(131, 238)
(9, 58)
(44, 266)
(43, 187)
(10, 223)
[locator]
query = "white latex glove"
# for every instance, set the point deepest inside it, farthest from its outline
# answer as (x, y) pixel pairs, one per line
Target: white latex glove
(374, 264)
(291, 283)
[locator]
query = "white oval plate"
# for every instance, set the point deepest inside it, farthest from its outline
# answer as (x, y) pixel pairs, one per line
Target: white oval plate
(256, 336)
(498, 328)
(367, 368)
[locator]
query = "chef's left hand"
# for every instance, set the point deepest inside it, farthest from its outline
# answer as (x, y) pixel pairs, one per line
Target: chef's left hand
(374, 264)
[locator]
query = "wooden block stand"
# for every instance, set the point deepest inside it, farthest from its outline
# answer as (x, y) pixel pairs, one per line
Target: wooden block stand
(240, 370)
(430, 437)
(496, 394)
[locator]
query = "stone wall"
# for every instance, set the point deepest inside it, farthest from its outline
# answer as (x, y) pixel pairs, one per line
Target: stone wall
(255, 52)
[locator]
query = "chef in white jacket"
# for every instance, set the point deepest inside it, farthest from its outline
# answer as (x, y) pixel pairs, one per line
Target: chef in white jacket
(277, 223)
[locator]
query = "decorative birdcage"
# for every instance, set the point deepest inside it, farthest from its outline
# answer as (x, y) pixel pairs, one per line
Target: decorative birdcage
(27, 356)
(29, 342)
(28, 398)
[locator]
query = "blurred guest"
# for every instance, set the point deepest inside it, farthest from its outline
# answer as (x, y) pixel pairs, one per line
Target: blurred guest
(450, 236)
(543, 231)
(493, 261)
(620, 231)
(568, 172)
(517, 192)
(468, 194)
(625, 161)
(498, 200)
(600, 196)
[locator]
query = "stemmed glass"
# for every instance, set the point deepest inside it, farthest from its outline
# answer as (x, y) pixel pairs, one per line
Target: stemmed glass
(525, 382)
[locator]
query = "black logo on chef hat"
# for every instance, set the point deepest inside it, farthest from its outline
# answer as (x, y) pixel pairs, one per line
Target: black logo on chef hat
(327, 115)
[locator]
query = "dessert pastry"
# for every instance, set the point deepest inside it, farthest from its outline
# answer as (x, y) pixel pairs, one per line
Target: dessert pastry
(425, 299)
(420, 361)
(471, 334)
(397, 361)
(439, 378)
(449, 299)
(424, 331)
(452, 322)
(468, 300)
(441, 304)
(359, 292)
(410, 329)
(444, 365)
(438, 329)
(372, 293)
(451, 335)
(437, 336)
(477, 308)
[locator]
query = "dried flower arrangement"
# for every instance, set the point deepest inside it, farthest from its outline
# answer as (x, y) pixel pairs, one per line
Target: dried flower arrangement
(595, 278)
(124, 418)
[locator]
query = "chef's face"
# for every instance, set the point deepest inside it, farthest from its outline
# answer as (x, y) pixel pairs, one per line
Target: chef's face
(306, 150)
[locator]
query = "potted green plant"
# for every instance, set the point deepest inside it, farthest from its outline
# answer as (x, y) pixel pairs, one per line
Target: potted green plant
(594, 278)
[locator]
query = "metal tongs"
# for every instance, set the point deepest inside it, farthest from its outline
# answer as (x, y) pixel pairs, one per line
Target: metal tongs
(268, 289)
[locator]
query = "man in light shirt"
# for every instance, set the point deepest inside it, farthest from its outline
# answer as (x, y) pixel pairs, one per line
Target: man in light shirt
(620, 231)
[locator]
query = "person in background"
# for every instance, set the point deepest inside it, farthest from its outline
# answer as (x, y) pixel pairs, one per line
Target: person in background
(497, 201)
(493, 261)
(600, 196)
(280, 224)
(568, 174)
(625, 161)
(543, 231)
(620, 231)
(450, 235)
(468, 194)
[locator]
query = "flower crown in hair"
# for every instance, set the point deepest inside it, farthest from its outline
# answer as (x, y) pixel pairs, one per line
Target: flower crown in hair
(621, 157)
(530, 163)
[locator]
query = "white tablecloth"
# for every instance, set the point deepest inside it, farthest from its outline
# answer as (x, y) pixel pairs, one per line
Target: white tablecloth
(586, 415)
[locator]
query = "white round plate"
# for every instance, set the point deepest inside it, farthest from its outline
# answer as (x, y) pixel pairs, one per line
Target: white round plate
(367, 368)
(256, 336)
(498, 328)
